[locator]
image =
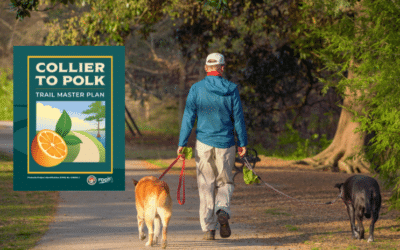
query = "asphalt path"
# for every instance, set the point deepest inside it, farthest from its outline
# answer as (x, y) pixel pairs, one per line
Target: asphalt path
(107, 219)
(6, 137)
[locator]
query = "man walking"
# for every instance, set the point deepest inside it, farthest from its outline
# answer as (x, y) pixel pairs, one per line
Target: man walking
(215, 102)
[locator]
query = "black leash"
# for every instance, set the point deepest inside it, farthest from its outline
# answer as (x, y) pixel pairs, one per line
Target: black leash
(248, 165)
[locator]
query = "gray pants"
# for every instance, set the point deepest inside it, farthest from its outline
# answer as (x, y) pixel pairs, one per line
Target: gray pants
(215, 181)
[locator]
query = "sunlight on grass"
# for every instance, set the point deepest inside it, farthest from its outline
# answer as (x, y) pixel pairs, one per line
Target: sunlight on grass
(291, 228)
(24, 216)
(274, 211)
(6, 95)
(158, 163)
(4, 157)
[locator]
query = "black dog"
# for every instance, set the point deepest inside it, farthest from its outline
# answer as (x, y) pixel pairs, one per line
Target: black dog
(362, 197)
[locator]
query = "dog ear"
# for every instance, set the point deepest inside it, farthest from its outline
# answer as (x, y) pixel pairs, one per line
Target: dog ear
(135, 182)
(338, 185)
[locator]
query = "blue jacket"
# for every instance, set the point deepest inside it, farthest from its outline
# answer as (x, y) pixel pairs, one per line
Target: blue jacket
(215, 102)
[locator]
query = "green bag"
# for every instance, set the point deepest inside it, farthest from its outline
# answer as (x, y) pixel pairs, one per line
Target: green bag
(249, 177)
(188, 152)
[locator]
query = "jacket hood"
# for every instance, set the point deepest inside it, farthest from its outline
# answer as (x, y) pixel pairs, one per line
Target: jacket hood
(219, 85)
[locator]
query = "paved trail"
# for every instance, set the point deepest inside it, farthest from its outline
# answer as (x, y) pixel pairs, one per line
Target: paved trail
(6, 137)
(88, 151)
(107, 220)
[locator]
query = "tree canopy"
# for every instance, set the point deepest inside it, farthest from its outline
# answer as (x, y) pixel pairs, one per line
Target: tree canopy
(98, 110)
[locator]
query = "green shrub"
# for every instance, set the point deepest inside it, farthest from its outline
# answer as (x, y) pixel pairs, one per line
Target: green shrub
(6, 95)
(290, 145)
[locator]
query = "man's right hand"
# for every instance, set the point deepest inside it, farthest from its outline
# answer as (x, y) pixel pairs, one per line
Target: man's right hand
(242, 151)
(179, 152)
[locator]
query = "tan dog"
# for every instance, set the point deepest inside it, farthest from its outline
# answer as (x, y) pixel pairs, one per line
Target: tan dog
(153, 204)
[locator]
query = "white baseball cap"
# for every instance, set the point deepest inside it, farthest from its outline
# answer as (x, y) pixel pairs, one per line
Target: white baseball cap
(219, 58)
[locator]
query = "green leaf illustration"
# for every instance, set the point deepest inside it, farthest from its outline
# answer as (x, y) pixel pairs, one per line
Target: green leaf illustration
(188, 152)
(64, 124)
(72, 140)
(249, 177)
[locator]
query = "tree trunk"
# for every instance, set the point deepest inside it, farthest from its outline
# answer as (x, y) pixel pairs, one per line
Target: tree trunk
(11, 41)
(346, 151)
(98, 129)
(147, 109)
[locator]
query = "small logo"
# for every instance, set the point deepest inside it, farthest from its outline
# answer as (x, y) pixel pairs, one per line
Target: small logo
(105, 180)
(91, 180)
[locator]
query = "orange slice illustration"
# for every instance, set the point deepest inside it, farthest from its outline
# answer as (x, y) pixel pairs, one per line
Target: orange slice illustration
(48, 148)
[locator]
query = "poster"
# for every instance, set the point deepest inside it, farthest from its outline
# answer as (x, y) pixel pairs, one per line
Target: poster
(69, 118)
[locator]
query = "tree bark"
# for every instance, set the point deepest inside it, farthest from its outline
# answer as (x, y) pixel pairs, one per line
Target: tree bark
(346, 152)
(11, 41)
(98, 129)
(147, 109)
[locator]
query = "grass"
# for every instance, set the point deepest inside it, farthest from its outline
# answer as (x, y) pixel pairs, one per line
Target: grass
(24, 215)
(5, 157)
(73, 151)
(351, 247)
(388, 246)
(273, 211)
(190, 165)
(394, 229)
(95, 129)
(291, 228)
(158, 163)
(6, 95)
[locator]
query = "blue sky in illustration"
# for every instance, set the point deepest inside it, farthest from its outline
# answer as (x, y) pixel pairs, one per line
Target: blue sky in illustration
(48, 114)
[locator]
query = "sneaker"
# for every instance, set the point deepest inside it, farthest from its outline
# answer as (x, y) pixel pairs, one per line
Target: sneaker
(209, 235)
(225, 230)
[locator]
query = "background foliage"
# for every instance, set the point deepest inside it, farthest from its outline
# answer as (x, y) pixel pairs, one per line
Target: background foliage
(365, 40)
(6, 95)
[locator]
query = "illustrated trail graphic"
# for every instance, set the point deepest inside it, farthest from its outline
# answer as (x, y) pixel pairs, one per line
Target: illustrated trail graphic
(51, 147)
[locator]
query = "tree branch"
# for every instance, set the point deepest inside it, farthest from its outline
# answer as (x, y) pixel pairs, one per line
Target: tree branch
(10, 42)
(140, 17)
(11, 28)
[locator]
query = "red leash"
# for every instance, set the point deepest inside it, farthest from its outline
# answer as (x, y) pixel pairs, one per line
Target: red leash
(181, 176)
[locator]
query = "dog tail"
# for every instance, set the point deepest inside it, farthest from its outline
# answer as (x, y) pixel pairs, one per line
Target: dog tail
(368, 202)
